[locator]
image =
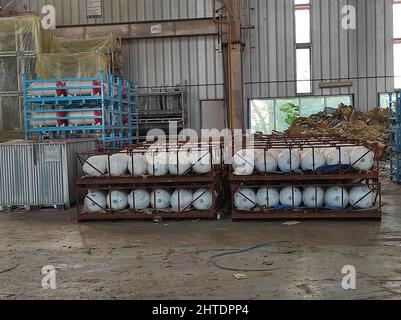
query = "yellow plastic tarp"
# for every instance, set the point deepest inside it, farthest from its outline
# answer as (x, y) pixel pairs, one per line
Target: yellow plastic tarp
(24, 34)
(76, 65)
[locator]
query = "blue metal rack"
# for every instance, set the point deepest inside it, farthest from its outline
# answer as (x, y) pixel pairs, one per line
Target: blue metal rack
(395, 135)
(110, 105)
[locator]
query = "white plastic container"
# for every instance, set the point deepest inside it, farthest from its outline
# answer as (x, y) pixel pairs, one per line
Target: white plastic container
(268, 198)
(179, 163)
(181, 200)
(118, 164)
(266, 162)
(157, 164)
(46, 92)
(160, 199)
(84, 91)
(362, 159)
(202, 200)
(244, 162)
(312, 160)
(291, 197)
(137, 165)
(42, 119)
(139, 199)
(313, 197)
(95, 202)
(245, 199)
(117, 200)
(201, 162)
(332, 157)
(83, 118)
(362, 197)
(95, 166)
(337, 198)
(289, 161)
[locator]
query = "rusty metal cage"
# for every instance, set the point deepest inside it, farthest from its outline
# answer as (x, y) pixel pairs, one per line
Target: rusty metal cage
(186, 180)
(326, 176)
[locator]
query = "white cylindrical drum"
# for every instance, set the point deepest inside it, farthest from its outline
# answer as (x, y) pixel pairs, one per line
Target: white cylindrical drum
(179, 163)
(201, 161)
(82, 118)
(181, 200)
(42, 119)
(289, 161)
(160, 199)
(312, 160)
(137, 165)
(291, 197)
(362, 197)
(244, 162)
(117, 200)
(139, 199)
(202, 200)
(362, 159)
(313, 197)
(245, 199)
(95, 202)
(95, 166)
(335, 157)
(268, 198)
(44, 91)
(157, 164)
(118, 164)
(266, 162)
(79, 89)
(337, 198)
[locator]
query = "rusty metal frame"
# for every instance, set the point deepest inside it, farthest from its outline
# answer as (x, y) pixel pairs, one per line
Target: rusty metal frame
(151, 213)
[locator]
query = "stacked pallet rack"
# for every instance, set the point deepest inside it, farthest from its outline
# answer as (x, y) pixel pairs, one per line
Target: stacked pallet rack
(209, 182)
(159, 107)
(98, 108)
(394, 148)
(343, 176)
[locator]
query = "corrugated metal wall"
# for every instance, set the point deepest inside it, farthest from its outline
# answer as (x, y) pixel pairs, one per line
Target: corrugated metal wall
(365, 55)
(156, 62)
(74, 11)
(169, 61)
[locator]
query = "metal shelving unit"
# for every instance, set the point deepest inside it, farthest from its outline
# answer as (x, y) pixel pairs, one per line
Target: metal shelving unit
(159, 106)
(102, 110)
(394, 148)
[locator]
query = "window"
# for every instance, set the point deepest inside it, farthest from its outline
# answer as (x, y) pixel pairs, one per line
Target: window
(397, 43)
(303, 46)
(266, 115)
(384, 100)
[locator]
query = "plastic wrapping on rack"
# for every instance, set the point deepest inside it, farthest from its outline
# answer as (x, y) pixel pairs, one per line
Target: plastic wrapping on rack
(21, 39)
(76, 65)
(106, 45)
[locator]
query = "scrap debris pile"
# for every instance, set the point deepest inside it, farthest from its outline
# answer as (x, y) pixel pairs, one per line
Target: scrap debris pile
(345, 121)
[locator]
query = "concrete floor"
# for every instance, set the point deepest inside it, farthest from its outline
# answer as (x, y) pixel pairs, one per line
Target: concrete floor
(144, 260)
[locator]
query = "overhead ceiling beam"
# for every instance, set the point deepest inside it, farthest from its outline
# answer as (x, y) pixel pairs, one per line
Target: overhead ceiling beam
(141, 30)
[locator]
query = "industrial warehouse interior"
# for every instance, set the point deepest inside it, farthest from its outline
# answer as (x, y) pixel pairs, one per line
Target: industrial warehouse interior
(190, 150)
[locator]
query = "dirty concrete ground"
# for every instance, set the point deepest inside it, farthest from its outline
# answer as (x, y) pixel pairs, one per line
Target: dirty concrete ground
(170, 260)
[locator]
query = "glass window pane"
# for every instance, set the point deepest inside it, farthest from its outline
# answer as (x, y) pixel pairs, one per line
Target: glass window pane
(334, 102)
(310, 106)
(302, 23)
(397, 20)
(301, 1)
(283, 118)
(397, 65)
(262, 116)
(303, 71)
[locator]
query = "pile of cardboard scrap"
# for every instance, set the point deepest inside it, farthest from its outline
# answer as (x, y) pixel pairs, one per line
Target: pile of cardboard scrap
(345, 121)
